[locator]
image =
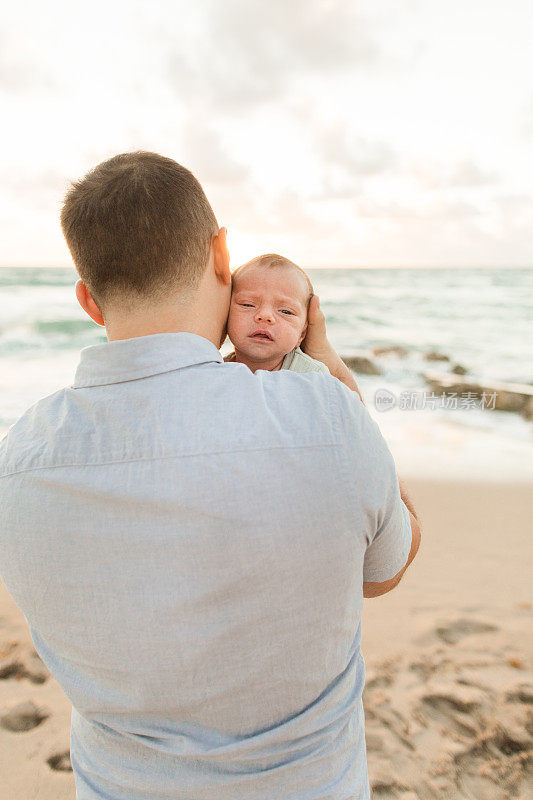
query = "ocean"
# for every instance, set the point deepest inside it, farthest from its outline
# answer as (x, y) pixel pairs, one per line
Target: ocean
(479, 318)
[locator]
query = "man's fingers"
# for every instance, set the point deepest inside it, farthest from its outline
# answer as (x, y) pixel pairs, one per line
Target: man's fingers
(313, 307)
(315, 314)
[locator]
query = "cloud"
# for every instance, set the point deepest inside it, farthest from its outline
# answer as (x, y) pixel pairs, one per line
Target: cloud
(205, 154)
(19, 73)
(340, 146)
(468, 173)
(288, 211)
(315, 129)
(526, 123)
(463, 174)
(251, 52)
(347, 160)
(437, 210)
(39, 190)
(515, 213)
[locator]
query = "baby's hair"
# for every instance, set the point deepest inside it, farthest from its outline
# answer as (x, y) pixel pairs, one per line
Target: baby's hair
(270, 261)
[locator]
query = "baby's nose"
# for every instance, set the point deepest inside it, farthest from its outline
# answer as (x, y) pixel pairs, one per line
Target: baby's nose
(264, 313)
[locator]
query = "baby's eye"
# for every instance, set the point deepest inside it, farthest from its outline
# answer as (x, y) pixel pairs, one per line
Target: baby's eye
(287, 311)
(246, 304)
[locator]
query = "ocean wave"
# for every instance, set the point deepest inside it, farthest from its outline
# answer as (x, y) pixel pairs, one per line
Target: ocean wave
(478, 318)
(63, 327)
(37, 276)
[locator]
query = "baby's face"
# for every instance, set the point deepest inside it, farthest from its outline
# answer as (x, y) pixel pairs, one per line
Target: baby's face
(272, 301)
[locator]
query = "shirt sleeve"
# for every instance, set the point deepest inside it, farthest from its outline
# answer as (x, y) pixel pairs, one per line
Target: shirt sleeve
(388, 551)
(374, 487)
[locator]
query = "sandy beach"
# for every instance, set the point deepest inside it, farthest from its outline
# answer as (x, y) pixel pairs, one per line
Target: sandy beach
(448, 654)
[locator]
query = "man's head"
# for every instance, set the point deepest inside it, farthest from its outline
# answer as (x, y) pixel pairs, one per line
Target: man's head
(141, 232)
(271, 294)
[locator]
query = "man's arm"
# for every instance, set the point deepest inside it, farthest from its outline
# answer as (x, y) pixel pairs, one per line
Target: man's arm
(339, 370)
(375, 589)
(317, 345)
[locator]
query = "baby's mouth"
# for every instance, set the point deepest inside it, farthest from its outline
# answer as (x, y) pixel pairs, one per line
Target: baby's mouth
(262, 336)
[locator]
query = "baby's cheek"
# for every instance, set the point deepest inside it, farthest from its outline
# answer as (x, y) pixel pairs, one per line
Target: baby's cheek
(233, 321)
(232, 313)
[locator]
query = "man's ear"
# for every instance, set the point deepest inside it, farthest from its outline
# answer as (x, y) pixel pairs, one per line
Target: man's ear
(87, 303)
(221, 256)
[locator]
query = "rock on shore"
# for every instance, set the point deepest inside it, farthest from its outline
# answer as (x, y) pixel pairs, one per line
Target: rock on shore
(516, 397)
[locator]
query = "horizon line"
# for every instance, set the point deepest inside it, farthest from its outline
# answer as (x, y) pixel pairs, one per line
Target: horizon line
(322, 266)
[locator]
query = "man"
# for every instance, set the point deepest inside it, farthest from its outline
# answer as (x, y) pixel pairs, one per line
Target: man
(190, 541)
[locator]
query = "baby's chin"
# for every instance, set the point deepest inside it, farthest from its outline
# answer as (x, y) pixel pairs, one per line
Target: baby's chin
(257, 351)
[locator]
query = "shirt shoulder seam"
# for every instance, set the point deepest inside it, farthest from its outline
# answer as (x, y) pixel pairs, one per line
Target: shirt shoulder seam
(169, 457)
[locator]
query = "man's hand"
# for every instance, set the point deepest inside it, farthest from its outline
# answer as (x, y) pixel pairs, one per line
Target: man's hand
(317, 345)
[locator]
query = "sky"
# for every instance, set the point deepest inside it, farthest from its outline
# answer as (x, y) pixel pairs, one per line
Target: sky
(337, 133)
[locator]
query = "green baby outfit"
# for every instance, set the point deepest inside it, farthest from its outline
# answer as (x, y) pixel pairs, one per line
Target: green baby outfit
(296, 361)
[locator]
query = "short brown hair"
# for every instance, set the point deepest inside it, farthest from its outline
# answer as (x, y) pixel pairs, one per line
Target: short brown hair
(271, 261)
(138, 224)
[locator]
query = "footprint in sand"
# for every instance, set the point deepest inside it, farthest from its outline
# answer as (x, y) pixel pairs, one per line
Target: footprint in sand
(385, 782)
(35, 668)
(428, 664)
(455, 709)
(23, 717)
(31, 668)
(11, 669)
(453, 632)
(450, 725)
(60, 762)
(521, 694)
(459, 698)
(494, 766)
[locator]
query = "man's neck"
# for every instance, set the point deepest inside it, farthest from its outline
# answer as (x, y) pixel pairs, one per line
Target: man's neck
(162, 321)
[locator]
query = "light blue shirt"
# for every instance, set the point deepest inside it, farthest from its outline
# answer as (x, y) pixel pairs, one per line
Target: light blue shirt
(187, 541)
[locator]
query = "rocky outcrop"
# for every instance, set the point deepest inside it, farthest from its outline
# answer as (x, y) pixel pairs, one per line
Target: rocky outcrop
(362, 364)
(527, 411)
(516, 397)
(433, 355)
(389, 349)
(458, 369)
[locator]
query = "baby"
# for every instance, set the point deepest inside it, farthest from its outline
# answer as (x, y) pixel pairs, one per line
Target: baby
(267, 318)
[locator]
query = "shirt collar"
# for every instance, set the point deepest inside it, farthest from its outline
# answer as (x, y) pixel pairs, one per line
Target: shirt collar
(130, 359)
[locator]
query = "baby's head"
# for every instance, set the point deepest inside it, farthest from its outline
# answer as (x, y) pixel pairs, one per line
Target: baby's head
(270, 295)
